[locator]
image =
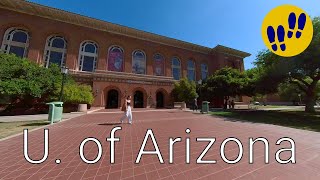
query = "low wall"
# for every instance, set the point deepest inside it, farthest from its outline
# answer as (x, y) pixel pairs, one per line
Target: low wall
(281, 103)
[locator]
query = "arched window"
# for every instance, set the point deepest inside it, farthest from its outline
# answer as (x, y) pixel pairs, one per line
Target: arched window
(138, 62)
(115, 59)
(176, 68)
(88, 55)
(16, 41)
(191, 70)
(55, 51)
(204, 71)
(158, 65)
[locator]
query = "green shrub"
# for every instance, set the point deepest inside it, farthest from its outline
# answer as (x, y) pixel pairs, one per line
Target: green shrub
(78, 94)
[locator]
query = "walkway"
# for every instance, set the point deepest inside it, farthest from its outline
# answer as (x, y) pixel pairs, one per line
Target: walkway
(37, 117)
(66, 137)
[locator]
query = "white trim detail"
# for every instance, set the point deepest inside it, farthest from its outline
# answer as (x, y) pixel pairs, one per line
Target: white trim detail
(48, 49)
(83, 54)
(8, 42)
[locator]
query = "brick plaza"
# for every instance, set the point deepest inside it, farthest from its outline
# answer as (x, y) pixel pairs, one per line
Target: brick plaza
(65, 138)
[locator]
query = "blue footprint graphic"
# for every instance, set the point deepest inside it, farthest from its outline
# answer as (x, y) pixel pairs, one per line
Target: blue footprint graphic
(292, 23)
(281, 35)
(281, 32)
(272, 37)
(301, 24)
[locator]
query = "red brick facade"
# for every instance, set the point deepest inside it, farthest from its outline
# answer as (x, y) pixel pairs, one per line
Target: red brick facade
(42, 22)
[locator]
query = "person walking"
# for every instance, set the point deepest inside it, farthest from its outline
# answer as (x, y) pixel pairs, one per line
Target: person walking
(195, 104)
(232, 104)
(229, 104)
(126, 107)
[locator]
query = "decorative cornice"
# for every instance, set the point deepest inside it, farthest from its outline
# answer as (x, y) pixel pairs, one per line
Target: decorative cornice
(123, 77)
(230, 51)
(84, 21)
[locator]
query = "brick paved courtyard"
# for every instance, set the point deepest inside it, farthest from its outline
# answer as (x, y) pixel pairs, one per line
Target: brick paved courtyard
(66, 137)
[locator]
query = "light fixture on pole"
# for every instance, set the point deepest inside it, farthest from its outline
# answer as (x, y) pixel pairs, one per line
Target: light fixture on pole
(97, 92)
(64, 72)
(299, 98)
(200, 84)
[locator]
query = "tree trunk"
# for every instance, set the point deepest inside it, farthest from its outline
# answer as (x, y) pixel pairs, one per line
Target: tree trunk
(310, 102)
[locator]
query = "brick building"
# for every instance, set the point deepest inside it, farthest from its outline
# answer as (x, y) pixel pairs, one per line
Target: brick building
(113, 59)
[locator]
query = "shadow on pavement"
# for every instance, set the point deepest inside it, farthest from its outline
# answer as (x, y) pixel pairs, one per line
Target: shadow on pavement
(36, 124)
(109, 124)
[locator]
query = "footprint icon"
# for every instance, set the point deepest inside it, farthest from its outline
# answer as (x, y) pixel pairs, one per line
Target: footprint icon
(292, 24)
(301, 24)
(287, 30)
(272, 38)
(281, 35)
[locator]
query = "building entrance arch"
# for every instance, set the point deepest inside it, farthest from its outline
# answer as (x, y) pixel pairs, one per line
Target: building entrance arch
(160, 99)
(112, 99)
(138, 99)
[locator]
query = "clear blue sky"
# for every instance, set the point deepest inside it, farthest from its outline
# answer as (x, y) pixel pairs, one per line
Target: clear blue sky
(233, 23)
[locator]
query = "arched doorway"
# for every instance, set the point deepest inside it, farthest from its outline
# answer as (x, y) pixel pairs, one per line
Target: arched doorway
(112, 99)
(160, 100)
(138, 99)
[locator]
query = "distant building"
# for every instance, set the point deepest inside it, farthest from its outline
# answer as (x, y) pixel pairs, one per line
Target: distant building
(115, 60)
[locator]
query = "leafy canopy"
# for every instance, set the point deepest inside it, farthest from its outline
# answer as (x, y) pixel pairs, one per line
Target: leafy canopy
(25, 82)
(230, 82)
(185, 90)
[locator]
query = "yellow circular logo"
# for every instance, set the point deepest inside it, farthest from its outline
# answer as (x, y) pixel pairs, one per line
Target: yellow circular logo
(287, 30)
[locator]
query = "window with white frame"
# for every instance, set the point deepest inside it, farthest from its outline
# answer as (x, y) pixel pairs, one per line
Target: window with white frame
(191, 71)
(55, 51)
(138, 62)
(204, 71)
(16, 41)
(88, 55)
(176, 68)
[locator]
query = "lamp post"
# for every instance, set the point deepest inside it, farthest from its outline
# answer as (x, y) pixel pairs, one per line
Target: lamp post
(64, 72)
(200, 84)
(290, 75)
(96, 92)
(299, 98)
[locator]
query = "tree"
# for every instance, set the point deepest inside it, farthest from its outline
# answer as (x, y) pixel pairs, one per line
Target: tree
(226, 83)
(302, 70)
(291, 92)
(185, 90)
(24, 83)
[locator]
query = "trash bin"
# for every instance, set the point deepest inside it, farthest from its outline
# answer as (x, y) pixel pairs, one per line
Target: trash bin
(205, 107)
(55, 111)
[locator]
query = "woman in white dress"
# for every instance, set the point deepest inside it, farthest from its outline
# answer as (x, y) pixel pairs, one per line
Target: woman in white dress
(126, 107)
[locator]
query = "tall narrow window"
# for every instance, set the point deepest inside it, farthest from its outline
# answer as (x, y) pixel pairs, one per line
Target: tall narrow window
(55, 51)
(158, 65)
(138, 62)
(191, 70)
(176, 68)
(204, 71)
(88, 56)
(115, 59)
(16, 41)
